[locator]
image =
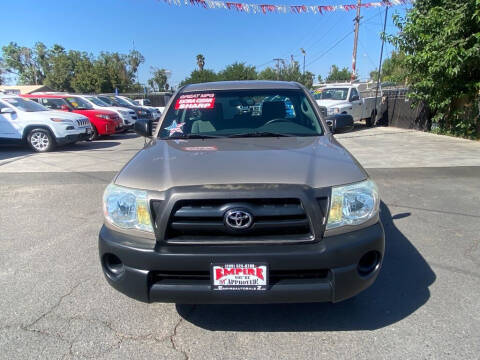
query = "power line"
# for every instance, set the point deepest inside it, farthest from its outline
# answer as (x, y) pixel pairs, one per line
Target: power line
(262, 65)
(330, 48)
(339, 41)
(322, 54)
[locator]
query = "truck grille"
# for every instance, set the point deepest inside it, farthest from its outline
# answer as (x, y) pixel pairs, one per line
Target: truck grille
(83, 122)
(271, 220)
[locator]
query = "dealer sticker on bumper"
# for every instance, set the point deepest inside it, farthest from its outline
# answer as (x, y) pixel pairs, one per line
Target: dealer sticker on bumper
(239, 277)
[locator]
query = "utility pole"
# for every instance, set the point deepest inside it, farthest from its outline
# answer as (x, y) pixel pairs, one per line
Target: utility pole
(304, 53)
(381, 58)
(355, 42)
(278, 66)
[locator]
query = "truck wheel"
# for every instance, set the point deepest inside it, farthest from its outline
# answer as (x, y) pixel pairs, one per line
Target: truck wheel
(94, 135)
(371, 120)
(40, 140)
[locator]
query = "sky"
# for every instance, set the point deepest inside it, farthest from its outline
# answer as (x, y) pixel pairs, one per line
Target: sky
(171, 36)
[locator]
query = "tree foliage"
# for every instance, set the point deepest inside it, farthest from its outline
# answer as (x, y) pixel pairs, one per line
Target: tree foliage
(242, 71)
(393, 69)
(238, 71)
(336, 74)
(199, 76)
(440, 40)
(200, 62)
(158, 82)
(287, 72)
(72, 70)
(2, 72)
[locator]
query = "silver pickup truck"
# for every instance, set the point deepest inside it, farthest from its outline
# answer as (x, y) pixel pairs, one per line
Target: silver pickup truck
(356, 99)
(241, 195)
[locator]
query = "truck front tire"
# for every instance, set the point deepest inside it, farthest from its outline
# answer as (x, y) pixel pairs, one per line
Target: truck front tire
(371, 120)
(40, 140)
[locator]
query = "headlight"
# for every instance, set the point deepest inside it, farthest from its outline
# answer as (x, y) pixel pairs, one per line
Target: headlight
(353, 204)
(60, 120)
(127, 208)
(103, 116)
(331, 111)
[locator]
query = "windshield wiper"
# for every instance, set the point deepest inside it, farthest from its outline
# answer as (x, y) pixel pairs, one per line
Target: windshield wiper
(261, 134)
(190, 136)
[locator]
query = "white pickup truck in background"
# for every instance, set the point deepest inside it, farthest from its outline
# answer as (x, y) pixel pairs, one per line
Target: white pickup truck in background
(355, 99)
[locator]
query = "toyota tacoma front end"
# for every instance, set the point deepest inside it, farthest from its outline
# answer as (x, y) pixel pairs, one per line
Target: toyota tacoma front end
(242, 195)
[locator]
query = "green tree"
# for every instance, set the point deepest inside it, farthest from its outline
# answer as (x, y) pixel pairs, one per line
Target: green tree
(158, 82)
(319, 78)
(200, 62)
(61, 69)
(440, 40)
(288, 72)
(200, 76)
(72, 70)
(2, 72)
(336, 74)
(134, 60)
(269, 74)
(84, 78)
(238, 71)
(23, 62)
(393, 69)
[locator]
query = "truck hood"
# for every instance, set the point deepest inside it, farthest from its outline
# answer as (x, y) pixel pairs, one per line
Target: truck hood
(330, 103)
(313, 161)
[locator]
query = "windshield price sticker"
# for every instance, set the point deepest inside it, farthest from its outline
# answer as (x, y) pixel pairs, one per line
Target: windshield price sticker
(195, 101)
(239, 277)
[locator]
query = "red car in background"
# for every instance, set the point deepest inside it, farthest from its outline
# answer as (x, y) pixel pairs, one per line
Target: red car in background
(104, 122)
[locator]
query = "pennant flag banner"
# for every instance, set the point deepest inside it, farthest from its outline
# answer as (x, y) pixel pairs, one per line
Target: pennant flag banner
(270, 8)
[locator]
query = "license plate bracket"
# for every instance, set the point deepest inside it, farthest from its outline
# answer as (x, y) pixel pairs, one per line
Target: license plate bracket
(239, 276)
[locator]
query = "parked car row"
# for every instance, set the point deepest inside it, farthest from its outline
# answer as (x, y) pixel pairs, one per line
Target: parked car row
(45, 120)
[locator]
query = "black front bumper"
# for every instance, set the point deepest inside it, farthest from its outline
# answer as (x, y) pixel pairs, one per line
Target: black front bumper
(72, 138)
(337, 256)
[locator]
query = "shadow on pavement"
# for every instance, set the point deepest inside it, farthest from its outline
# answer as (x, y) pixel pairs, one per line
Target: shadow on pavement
(89, 145)
(122, 136)
(13, 151)
(400, 289)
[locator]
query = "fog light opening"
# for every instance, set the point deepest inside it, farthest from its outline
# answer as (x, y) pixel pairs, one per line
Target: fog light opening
(369, 263)
(113, 266)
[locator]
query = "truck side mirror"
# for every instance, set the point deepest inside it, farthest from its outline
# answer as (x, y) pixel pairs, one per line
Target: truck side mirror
(65, 108)
(354, 98)
(330, 126)
(144, 127)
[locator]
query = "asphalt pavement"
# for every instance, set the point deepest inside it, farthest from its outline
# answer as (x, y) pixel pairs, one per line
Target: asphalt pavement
(55, 303)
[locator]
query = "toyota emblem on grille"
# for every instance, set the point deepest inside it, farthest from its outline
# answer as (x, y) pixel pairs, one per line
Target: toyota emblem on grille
(238, 219)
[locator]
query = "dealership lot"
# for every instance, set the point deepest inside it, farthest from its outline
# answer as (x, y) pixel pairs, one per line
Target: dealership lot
(55, 302)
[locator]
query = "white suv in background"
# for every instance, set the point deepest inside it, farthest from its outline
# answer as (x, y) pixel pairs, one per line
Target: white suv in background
(127, 115)
(25, 120)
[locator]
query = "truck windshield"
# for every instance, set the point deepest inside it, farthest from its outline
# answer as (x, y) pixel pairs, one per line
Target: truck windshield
(331, 94)
(79, 104)
(25, 104)
(242, 113)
